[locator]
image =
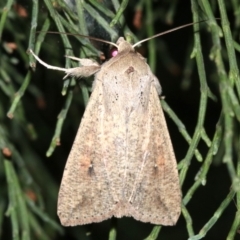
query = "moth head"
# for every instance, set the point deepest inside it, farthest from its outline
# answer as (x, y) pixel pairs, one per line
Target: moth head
(123, 45)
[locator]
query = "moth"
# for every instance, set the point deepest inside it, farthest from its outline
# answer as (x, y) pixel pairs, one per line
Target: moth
(122, 161)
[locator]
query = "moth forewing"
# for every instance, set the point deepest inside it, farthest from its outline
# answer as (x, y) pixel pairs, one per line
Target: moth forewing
(84, 195)
(163, 195)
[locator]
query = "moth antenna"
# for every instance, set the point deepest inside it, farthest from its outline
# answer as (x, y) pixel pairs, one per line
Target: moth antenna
(89, 37)
(168, 31)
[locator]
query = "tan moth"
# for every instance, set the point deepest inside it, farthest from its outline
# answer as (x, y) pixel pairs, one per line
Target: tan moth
(122, 161)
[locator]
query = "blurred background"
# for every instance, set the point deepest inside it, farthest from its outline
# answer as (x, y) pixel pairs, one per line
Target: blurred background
(40, 113)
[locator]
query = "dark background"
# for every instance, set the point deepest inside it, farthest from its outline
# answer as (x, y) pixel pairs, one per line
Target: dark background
(42, 109)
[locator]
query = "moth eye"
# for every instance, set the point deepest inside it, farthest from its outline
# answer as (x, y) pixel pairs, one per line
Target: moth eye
(113, 52)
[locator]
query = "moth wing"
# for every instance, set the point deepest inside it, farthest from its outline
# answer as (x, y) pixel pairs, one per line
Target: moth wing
(84, 195)
(156, 194)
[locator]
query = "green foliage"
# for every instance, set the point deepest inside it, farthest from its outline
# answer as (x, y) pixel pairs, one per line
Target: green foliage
(204, 100)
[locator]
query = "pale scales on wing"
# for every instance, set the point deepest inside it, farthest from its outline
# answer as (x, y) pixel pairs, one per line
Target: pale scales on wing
(122, 162)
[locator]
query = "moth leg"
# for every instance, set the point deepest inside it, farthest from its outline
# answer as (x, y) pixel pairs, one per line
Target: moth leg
(45, 64)
(73, 58)
(89, 67)
(84, 61)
